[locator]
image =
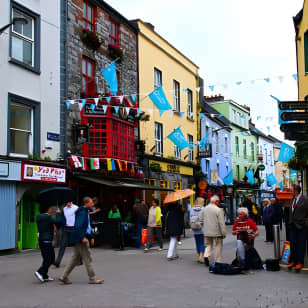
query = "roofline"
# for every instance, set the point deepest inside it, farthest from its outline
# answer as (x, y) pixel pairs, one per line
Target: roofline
(232, 102)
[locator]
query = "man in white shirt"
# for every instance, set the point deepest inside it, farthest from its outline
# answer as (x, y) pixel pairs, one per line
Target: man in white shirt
(69, 217)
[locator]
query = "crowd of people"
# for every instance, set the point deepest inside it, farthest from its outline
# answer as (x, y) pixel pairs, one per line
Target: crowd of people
(207, 223)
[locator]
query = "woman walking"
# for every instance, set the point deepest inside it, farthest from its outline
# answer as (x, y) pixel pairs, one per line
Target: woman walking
(197, 229)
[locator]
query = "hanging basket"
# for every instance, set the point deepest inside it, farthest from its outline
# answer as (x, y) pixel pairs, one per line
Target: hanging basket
(115, 52)
(90, 39)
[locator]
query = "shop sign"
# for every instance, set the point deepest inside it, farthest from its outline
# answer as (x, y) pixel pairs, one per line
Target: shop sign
(214, 176)
(173, 168)
(37, 173)
(206, 151)
(4, 169)
(261, 167)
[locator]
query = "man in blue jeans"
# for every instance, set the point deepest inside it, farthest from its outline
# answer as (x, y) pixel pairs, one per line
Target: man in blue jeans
(140, 212)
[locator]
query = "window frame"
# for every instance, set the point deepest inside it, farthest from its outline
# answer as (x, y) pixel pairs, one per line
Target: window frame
(35, 123)
(190, 114)
(36, 47)
(111, 36)
(177, 152)
(85, 19)
(237, 146)
(190, 139)
(159, 141)
(90, 80)
(176, 96)
(160, 74)
(245, 148)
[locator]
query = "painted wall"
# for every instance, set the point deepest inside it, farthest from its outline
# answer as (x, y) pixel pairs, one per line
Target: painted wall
(155, 52)
(281, 169)
(43, 87)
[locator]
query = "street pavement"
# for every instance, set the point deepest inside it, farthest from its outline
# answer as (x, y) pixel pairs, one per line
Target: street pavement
(135, 279)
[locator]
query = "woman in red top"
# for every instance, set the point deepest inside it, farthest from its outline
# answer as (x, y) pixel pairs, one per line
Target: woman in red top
(245, 230)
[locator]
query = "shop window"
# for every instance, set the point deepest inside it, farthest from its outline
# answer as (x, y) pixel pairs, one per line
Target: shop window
(159, 138)
(149, 194)
(191, 148)
(177, 185)
(177, 152)
(176, 96)
(88, 79)
(157, 78)
(163, 194)
(114, 33)
(25, 38)
(190, 114)
(88, 16)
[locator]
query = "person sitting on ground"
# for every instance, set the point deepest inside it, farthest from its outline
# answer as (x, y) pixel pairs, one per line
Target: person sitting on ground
(245, 230)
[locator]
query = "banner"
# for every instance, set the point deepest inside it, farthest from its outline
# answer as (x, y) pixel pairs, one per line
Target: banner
(250, 176)
(110, 75)
(178, 139)
(271, 180)
(286, 152)
(228, 179)
(94, 162)
(159, 99)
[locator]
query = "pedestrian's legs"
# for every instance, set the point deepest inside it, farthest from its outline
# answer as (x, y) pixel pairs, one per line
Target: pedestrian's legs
(199, 238)
(240, 252)
(75, 260)
(150, 235)
(87, 260)
(218, 249)
(300, 245)
(158, 236)
(197, 242)
(63, 244)
(138, 231)
(48, 255)
(172, 247)
(268, 232)
(208, 241)
(271, 233)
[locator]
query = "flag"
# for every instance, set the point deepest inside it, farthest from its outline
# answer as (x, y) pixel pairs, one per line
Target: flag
(108, 99)
(286, 152)
(250, 177)
(212, 88)
(84, 164)
(94, 163)
(228, 179)
(110, 75)
(294, 76)
(267, 80)
(159, 99)
(68, 104)
(178, 139)
(132, 169)
(120, 165)
(133, 96)
(113, 165)
(116, 108)
(203, 141)
(219, 116)
(271, 180)
(75, 161)
(109, 165)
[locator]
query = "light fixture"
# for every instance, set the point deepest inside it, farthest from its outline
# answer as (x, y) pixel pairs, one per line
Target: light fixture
(16, 21)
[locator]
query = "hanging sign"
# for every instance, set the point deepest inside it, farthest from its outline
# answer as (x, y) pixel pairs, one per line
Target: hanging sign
(293, 105)
(261, 167)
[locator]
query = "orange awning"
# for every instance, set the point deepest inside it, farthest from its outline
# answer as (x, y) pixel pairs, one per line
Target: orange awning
(286, 194)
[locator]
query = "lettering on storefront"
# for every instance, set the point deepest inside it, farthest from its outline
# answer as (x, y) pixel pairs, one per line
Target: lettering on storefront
(173, 168)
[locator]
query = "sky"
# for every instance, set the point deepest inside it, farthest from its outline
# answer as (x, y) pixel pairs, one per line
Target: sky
(232, 41)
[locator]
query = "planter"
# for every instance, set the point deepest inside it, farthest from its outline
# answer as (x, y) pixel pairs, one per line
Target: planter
(115, 52)
(90, 39)
(155, 167)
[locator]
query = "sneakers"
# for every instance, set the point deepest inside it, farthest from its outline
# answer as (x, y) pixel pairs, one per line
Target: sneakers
(96, 281)
(179, 243)
(39, 277)
(48, 279)
(206, 261)
(56, 264)
(159, 249)
(146, 249)
(65, 280)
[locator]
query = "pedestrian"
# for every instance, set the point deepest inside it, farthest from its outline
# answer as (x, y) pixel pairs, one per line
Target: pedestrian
(298, 224)
(117, 232)
(95, 213)
(248, 204)
(196, 227)
(45, 225)
(140, 214)
(277, 217)
(214, 229)
(80, 238)
(174, 227)
(245, 230)
(154, 225)
(68, 216)
(268, 217)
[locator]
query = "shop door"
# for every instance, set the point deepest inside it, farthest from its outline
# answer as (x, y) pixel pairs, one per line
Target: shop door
(28, 228)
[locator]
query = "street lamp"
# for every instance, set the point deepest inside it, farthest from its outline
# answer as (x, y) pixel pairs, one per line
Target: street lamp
(16, 21)
(218, 129)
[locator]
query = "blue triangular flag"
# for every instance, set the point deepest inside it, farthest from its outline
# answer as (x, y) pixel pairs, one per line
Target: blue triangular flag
(219, 116)
(84, 100)
(294, 76)
(212, 88)
(182, 113)
(185, 90)
(110, 75)
(250, 176)
(286, 152)
(254, 130)
(159, 99)
(201, 115)
(267, 80)
(138, 111)
(271, 180)
(133, 96)
(239, 83)
(228, 179)
(68, 104)
(258, 118)
(108, 99)
(92, 107)
(116, 108)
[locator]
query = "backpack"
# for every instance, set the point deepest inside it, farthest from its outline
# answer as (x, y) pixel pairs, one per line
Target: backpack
(195, 223)
(272, 265)
(224, 269)
(252, 259)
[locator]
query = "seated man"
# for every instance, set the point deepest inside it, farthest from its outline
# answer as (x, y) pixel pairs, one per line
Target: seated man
(246, 230)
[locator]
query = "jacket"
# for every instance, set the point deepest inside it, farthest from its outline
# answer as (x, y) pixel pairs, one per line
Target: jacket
(300, 213)
(268, 214)
(45, 225)
(213, 221)
(196, 211)
(81, 225)
(174, 220)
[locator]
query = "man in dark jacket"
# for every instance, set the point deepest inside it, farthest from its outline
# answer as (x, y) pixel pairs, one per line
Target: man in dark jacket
(298, 223)
(268, 217)
(45, 225)
(80, 238)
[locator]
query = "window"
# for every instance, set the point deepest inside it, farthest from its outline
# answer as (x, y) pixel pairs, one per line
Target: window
(191, 149)
(265, 154)
(238, 118)
(177, 152)
(88, 73)
(25, 39)
(88, 16)
(190, 114)
(217, 168)
(215, 139)
(252, 151)
(237, 150)
(114, 33)
(244, 148)
(159, 138)
(227, 169)
(207, 166)
(238, 172)
(157, 78)
(306, 51)
(226, 144)
(23, 126)
(245, 169)
(177, 185)
(176, 96)
(207, 132)
(233, 115)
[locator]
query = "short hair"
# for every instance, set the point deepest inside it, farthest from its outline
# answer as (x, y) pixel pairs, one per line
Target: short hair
(214, 199)
(156, 201)
(243, 209)
(95, 199)
(273, 199)
(297, 188)
(86, 200)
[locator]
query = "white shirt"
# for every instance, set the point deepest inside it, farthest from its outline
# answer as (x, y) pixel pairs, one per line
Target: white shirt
(69, 213)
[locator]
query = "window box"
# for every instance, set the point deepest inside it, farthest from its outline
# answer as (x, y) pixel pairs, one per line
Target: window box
(155, 167)
(115, 52)
(90, 39)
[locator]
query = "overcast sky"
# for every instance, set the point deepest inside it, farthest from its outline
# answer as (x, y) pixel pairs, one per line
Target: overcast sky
(231, 41)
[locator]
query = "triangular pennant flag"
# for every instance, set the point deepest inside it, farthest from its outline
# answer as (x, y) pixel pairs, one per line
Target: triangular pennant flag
(171, 113)
(201, 115)
(133, 96)
(228, 179)
(105, 108)
(294, 76)
(161, 112)
(219, 116)
(84, 100)
(271, 180)
(127, 109)
(182, 113)
(121, 99)
(96, 100)
(185, 90)
(116, 108)
(239, 83)
(68, 104)
(92, 107)
(258, 118)
(267, 80)
(108, 99)
(254, 130)
(80, 106)
(286, 153)
(250, 176)
(212, 87)
(110, 75)
(212, 115)
(198, 89)
(138, 111)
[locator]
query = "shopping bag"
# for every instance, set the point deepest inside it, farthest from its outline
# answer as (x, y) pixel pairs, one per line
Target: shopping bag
(144, 236)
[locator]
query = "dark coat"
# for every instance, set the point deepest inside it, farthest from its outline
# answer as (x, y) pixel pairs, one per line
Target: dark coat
(175, 220)
(300, 213)
(81, 224)
(45, 225)
(268, 214)
(277, 213)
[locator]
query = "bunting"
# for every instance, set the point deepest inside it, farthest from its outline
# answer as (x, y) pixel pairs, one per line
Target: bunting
(177, 137)
(110, 75)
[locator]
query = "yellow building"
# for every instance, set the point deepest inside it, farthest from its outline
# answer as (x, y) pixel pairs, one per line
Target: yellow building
(161, 64)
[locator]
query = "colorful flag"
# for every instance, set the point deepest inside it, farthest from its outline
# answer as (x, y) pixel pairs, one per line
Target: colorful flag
(110, 75)
(271, 180)
(133, 96)
(120, 165)
(250, 176)
(178, 139)
(113, 165)
(109, 165)
(286, 152)
(94, 163)
(75, 161)
(159, 99)
(84, 163)
(228, 179)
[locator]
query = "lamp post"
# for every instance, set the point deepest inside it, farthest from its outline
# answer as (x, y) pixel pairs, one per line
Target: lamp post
(230, 195)
(16, 21)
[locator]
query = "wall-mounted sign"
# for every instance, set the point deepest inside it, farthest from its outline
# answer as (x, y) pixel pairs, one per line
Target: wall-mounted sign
(206, 151)
(37, 173)
(214, 176)
(81, 134)
(53, 137)
(4, 169)
(173, 168)
(261, 167)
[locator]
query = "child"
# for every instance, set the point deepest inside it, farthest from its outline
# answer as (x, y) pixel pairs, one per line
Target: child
(45, 225)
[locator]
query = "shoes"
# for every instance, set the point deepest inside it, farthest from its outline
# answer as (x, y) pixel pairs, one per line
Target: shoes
(39, 276)
(146, 249)
(65, 280)
(206, 261)
(159, 249)
(56, 264)
(299, 266)
(96, 281)
(173, 258)
(291, 265)
(179, 243)
(48, 279)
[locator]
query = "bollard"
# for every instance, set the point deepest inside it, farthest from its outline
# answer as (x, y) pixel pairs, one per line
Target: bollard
(276, 233)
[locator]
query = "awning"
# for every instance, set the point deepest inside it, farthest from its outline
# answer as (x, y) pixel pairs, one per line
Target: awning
(117, 183)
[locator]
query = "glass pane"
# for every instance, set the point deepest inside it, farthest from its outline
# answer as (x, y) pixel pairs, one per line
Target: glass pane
(89, 69)
(20, 117)
(84, 83)
(89, 13)
(18, 27)
(19, 142)
(84, 13)
(27, 52)
(17, 46)
(27, 28)
(84, 67)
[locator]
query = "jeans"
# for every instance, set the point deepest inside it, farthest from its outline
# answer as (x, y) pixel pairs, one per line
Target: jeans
(157, 234)
(240, 249)
(298, 240)
(48, 255)
(199, 238)
(64, 242)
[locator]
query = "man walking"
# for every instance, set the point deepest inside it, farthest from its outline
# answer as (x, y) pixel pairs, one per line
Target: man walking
(80, 238)
(140, 213)
(212, 220)
(298, 223)
(69, 221)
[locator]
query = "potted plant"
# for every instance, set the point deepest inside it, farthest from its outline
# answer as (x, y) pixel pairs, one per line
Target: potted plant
(155, 167)
(90, 39)
(115, 52)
